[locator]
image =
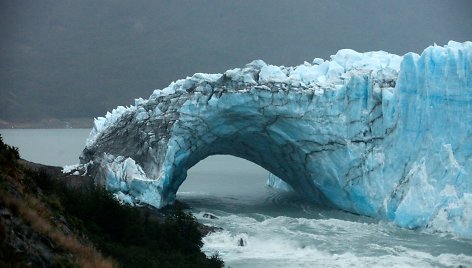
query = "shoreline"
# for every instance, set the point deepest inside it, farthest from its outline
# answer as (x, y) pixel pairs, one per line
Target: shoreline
(49, 123)
(85, 181)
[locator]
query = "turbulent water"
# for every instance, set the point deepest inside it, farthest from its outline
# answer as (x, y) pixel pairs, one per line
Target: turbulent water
(266, 228)
(279, 229)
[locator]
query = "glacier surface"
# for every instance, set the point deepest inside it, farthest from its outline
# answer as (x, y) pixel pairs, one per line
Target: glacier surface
(372, 133)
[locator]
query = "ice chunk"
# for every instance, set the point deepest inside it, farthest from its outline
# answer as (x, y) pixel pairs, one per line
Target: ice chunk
(271, 73)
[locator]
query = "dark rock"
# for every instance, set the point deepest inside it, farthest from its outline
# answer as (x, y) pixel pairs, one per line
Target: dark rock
(206, 229)
(47, 242)
(5, 213)
(73, 181)
(3, 233)
(44, 251)
(209, 216)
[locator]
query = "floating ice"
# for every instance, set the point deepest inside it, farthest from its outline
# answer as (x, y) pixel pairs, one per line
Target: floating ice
(372, 133)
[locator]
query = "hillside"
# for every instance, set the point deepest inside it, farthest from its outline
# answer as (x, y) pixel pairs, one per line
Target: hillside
(48, 219)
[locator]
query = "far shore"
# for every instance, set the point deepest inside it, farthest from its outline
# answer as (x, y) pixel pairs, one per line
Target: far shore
(48, 123)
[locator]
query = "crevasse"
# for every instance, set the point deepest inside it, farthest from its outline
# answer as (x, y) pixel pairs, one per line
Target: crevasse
(372, 133)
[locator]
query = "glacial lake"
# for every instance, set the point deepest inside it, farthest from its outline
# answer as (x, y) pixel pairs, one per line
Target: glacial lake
(263, 227)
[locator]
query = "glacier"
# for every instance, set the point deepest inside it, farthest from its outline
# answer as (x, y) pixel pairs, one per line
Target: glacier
(372, 133)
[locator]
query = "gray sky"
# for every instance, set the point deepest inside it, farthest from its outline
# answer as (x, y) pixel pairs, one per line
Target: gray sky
(80, 58)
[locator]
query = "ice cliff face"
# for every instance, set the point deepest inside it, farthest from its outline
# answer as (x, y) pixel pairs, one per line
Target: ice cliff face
(372, 133)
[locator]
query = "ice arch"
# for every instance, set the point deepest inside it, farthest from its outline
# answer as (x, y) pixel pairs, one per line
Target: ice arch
(361, 131)
(248, 124)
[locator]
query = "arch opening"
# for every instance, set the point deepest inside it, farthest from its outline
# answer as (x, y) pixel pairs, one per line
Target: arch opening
(281, 157)
(225, 176)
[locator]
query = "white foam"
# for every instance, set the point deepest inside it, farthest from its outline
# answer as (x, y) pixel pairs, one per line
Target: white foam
(302, 242)
(70, 168)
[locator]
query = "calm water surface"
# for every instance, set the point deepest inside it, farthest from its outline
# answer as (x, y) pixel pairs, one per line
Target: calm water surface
(57, 147)
(275, 229)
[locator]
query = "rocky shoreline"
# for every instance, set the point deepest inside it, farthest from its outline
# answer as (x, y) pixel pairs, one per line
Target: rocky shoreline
(84, 181)
(52, 219)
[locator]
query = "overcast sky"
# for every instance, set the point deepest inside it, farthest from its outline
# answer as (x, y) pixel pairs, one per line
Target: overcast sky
(100, 49)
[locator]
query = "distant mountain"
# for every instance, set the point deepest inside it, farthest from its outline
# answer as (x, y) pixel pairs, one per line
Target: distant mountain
(63, 60)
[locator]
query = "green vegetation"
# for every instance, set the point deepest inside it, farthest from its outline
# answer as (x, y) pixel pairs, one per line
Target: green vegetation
(125, 233)
(8, 155)
(131, 236)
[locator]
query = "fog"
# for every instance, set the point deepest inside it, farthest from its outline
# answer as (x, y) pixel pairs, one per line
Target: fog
(63, 60)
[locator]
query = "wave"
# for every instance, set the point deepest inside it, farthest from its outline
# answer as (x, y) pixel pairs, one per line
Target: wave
(258, 240)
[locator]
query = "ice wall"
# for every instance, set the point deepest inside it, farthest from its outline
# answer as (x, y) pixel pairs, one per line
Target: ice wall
(372, 133)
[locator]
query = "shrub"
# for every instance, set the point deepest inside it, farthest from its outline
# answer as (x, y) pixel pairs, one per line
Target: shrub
(8, 157)
(128, 234)
(216, 261)
(63, 262)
